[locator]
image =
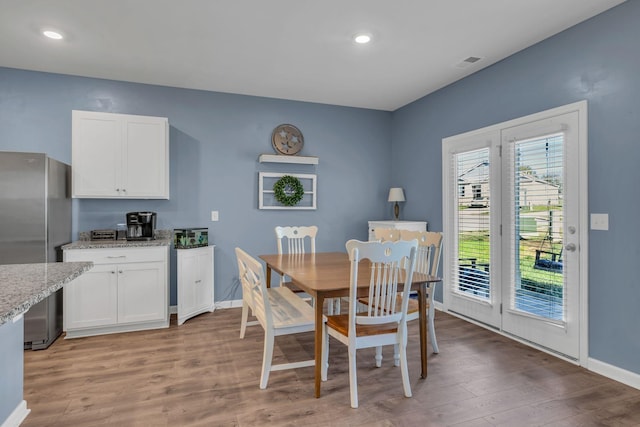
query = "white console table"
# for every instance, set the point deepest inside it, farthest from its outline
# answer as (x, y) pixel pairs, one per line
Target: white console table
(399, 225)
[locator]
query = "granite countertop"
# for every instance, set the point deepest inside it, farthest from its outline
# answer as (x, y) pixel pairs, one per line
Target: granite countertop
(101, 244)
(24, 285)
(163, 238)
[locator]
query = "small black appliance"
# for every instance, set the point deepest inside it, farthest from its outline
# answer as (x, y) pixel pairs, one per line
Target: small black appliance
(141, 225)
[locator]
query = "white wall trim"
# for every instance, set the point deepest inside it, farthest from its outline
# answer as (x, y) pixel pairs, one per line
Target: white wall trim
(173, 309)
(613, 372)
(229, 304)
(17, 416)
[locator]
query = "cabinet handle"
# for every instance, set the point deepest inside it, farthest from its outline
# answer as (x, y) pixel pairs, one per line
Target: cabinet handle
(120, 271)
(113, 272)
(198, 281)
(119, 256)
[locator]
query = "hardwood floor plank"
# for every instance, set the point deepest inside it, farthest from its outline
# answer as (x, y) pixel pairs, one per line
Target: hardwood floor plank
(202, 374)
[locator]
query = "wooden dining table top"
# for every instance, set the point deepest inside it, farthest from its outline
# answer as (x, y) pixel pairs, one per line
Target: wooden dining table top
(328, 273)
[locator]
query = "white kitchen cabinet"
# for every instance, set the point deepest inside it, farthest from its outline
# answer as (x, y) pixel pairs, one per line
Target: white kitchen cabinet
(92, 299)
(195, 282)
(398, 225)
(119, 156)
(127, 290)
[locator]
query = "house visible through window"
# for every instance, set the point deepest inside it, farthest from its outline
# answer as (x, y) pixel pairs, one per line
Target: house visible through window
(477, 191)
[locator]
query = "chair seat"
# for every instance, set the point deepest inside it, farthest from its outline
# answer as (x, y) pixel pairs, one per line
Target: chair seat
(412, 307)
(340, 323)
(289, 310)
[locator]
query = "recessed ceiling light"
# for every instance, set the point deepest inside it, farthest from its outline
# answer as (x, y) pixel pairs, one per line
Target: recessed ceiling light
(362, 38)
(52, 34)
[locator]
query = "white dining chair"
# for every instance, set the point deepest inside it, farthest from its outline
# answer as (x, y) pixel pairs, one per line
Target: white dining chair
(296, 240)
(293, 240)
(387, 234)
(427, 262)
(384, 321)
(278, 310)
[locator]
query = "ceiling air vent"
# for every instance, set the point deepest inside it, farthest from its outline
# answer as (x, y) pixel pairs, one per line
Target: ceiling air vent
(468, 61)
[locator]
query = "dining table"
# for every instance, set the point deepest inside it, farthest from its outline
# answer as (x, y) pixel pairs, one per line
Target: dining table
(325, 275)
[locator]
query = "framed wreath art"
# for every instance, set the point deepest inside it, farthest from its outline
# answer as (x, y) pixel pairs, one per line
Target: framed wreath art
(288, 190)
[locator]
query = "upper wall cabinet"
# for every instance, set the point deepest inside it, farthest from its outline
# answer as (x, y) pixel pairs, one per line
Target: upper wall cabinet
(119, 156)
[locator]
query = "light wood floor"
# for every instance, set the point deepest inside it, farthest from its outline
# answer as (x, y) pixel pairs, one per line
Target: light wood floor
(202, 374)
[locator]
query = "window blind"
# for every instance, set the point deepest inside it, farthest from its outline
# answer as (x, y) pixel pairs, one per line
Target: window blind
(535, 175)
(471, 269)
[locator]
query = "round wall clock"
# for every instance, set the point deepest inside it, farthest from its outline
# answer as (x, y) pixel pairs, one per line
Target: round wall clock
(287, 139)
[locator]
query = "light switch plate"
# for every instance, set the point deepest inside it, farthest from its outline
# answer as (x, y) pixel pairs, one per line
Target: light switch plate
(214, 215)
(599, 221)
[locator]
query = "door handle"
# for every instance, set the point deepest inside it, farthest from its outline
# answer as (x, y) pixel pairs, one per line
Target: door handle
(571, 247)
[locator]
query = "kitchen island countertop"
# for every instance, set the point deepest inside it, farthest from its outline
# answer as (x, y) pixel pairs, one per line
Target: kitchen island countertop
(24, 285)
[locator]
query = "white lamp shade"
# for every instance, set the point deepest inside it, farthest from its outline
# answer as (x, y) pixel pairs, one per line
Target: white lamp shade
(396, 194)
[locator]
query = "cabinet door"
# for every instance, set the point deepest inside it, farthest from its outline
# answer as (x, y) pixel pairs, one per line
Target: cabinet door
(96, 154)
(188, 275)
(90, 300)
(146, 157)
(142, 292)
(204, 282)
(195, 282)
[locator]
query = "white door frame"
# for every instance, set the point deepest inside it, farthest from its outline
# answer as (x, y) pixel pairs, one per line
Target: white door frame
(581, 108)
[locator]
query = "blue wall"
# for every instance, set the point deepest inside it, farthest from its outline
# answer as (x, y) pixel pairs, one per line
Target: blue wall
(598, 61)
(215, 141)
(11, 367)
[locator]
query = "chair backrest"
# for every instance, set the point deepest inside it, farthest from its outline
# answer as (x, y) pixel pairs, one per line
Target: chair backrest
(430, 248)
(254, 287)
(387, 234)
(296, 239)
(389, 264)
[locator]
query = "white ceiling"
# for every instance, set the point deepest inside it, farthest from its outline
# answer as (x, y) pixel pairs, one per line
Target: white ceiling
(290, 49)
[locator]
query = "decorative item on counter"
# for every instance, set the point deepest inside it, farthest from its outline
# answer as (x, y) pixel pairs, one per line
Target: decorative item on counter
(103, 234)
(187, 238)
(288, 190)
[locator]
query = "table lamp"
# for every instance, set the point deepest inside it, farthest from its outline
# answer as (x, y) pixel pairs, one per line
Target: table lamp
(396, 195)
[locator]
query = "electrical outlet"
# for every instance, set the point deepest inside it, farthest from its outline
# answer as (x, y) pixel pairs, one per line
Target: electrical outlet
(599, 221)
(214, 215)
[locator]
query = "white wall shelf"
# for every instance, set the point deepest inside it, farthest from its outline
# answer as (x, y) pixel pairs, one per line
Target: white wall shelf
(275, 158)
(266, 197)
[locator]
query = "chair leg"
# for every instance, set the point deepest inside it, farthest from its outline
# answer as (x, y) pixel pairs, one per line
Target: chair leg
(245, 317)
(378, 356)
(353, 379)
(325, 352)
(396, 355)
(432, 329)
(406, 385)
(267, 357)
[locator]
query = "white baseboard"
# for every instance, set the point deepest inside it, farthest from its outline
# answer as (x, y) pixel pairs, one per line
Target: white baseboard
(17, 416)
(613, 372)
(228, 304)
(173, 309)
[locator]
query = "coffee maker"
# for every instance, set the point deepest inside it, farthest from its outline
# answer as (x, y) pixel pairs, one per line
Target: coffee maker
(141, 225)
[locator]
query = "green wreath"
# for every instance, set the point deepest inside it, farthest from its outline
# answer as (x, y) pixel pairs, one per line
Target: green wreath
(288, 190)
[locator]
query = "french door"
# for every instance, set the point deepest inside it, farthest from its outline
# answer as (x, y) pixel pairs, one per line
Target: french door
(515, 215)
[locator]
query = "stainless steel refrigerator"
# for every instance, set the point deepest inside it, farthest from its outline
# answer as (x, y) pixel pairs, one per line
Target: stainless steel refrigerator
(35, 220)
